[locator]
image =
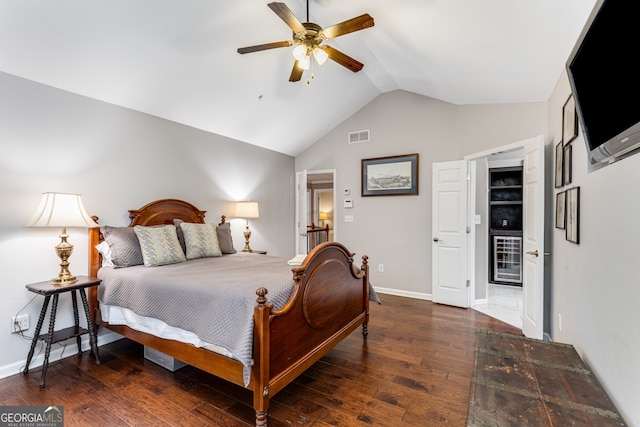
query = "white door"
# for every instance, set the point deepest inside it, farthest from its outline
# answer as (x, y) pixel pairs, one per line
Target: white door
(449, 228)
(301, 212)
(533, 239)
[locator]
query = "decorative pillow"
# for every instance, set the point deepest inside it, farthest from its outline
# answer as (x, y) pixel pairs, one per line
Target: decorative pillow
(224, 238)
(201, 240)
(105, 251)
(159, 245)
(180, 234)
(124, 246)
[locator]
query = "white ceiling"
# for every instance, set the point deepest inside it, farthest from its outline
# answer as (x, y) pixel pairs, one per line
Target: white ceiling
(177, 59)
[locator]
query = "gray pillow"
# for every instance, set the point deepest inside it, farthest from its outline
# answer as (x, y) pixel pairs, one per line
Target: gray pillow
(180, 234)
(124, 245)
(224, 238)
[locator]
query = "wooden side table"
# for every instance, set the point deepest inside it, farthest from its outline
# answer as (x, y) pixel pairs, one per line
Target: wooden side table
(48, 289)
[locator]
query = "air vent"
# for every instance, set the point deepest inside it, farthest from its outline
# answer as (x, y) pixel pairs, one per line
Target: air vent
(358, 136)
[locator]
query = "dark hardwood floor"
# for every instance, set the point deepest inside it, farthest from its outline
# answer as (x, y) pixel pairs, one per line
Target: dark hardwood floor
(414, 369)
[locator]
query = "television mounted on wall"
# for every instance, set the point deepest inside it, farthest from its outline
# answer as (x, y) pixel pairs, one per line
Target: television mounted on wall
(605, 80)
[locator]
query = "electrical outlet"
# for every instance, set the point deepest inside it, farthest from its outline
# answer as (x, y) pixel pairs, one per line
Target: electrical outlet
(381, 268)
(20, 323)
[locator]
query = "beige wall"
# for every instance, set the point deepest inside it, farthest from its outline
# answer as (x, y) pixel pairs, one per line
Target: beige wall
(117, 159)
(396, 231)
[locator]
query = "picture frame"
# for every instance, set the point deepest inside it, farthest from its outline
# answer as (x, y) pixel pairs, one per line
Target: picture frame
(390, 176)
(569, 120)
(567, 165)
(561, 204)
(573, 215)
(559, 178)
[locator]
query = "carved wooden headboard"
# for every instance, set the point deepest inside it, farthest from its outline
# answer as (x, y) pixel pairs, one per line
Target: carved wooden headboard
(155, 213)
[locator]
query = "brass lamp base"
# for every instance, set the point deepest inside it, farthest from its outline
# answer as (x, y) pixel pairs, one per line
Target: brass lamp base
(64, 251)
(247, 235)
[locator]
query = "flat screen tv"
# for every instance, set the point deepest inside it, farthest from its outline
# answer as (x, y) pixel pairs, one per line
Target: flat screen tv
(605, 80)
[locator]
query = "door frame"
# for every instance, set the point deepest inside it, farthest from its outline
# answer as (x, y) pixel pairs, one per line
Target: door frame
(299, 214)
(473, 158)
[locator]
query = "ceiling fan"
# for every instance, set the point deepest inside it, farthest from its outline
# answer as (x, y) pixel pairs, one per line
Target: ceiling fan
(308, 37)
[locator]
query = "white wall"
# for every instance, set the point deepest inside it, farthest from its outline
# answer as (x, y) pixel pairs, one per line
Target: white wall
(117, 159)
(595, 285)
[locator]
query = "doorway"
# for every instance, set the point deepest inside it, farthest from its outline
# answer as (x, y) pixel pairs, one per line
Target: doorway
(530, 153)
(315, 207)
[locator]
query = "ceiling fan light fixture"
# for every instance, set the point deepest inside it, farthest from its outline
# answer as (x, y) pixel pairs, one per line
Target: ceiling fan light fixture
(300, 52)
(320, 55)
(305, 63)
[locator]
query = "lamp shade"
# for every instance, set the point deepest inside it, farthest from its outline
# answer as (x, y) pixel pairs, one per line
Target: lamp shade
(324, 215)
(61, 210)
(247, 210)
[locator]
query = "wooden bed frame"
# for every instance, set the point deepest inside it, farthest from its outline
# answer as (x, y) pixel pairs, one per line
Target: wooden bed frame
(329, 302)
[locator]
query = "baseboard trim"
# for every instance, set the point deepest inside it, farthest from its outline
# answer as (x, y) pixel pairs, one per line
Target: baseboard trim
(57, 353)
(401, 293)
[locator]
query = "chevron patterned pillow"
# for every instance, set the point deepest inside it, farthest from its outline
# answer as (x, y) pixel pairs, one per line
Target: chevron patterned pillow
(201, 240)
(159, 245)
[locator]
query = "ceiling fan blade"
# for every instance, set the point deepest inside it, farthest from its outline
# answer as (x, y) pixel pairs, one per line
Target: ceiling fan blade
(265, 46)
(343, 59)
(283, 11)
(355, 24)
(296, 72)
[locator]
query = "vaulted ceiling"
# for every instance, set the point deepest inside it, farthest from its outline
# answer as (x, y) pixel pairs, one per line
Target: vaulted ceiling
(177, 59)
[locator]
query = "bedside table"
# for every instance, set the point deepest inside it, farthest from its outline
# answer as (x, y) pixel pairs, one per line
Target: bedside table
(48, 289)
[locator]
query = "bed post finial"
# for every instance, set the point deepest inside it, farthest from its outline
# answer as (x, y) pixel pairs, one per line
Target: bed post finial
(261, 292)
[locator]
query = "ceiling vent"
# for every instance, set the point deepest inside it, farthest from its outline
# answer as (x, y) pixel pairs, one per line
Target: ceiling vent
(358, 136)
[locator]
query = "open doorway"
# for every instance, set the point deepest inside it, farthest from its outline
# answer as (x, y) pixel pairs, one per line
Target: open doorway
(493, 298)
(499, 270)
(316, 202)
(530, 308)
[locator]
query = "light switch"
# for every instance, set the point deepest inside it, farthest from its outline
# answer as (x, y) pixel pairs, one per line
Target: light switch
(348, 218)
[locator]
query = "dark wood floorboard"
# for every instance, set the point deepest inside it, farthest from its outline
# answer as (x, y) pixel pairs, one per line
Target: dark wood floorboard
(414, 369)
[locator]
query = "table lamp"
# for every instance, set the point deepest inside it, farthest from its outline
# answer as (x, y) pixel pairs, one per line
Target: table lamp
(62, 210)
(247, 210)
(323, 217)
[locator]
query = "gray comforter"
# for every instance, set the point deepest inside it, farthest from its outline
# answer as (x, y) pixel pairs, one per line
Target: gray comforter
(214, 297)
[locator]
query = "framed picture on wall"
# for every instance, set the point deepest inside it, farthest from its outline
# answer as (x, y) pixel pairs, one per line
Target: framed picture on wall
(559, 165)
(390, 176)
(569, 120)
(573, 215)
(567, 165)
(561, 216)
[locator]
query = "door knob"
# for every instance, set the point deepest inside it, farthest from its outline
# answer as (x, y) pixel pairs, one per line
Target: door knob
(534, 253)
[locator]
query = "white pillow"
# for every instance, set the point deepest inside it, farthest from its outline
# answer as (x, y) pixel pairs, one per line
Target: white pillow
(105, 251)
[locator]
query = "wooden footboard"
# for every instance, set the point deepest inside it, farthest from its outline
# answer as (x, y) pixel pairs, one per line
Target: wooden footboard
(330, 300)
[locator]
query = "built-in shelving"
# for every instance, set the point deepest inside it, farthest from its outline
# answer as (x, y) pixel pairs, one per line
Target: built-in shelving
(505, 223)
